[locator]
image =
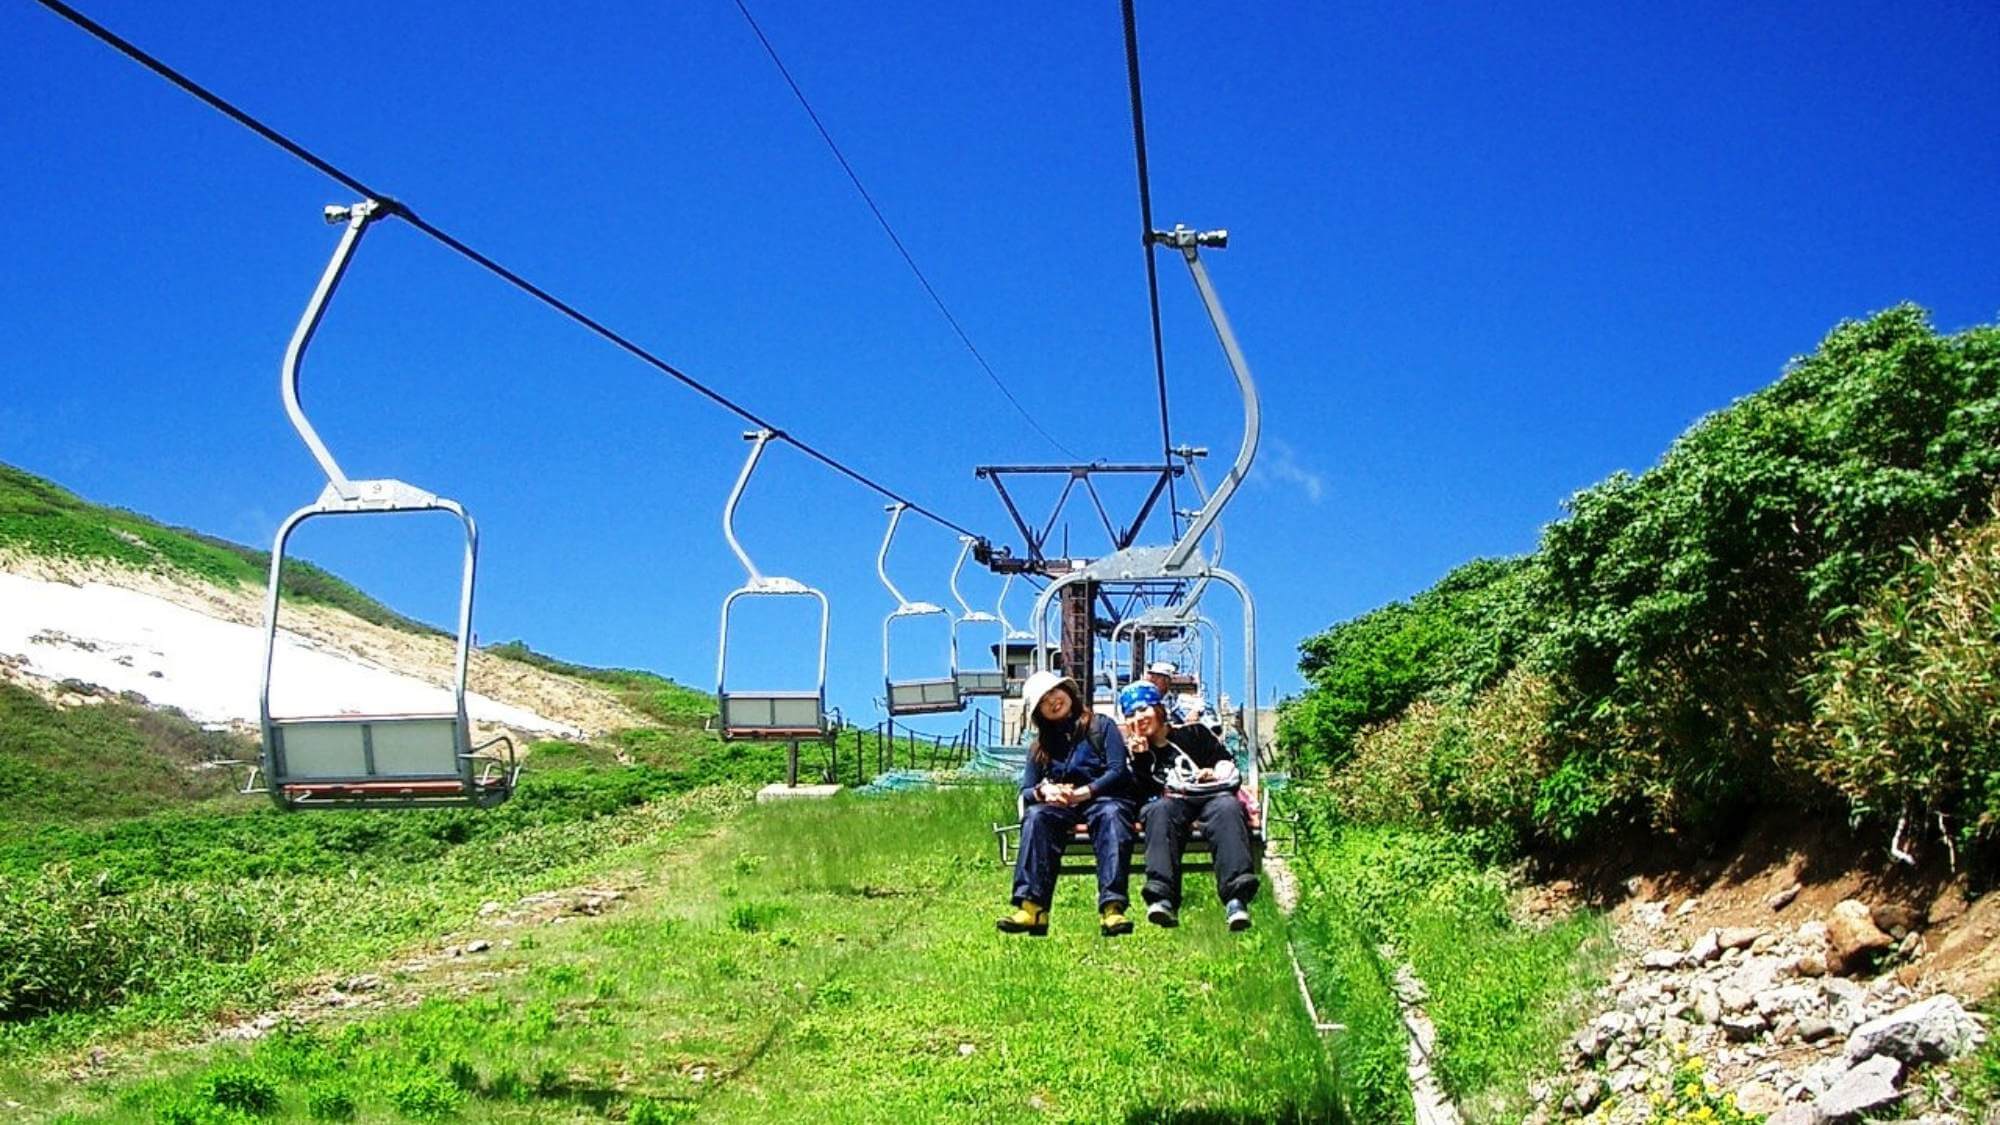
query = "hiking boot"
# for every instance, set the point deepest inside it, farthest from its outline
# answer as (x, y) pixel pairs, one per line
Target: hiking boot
(1162, 913)
(1236, 914)
(1111, 920)
(1026, 919)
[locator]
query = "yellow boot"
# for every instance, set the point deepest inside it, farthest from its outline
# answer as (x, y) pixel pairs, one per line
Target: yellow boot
(1026, 919)
(1111, 920)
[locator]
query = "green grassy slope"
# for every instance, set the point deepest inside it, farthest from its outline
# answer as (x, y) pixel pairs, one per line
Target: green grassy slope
(832, 961)
(107, 760)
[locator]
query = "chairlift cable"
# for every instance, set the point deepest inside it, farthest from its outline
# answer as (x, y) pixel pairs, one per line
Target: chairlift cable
(854, 178)
(391, 205)
(1146, 240)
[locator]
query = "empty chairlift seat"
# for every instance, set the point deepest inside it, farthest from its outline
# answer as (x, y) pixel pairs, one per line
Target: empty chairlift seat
(352, 760)
(776, 715)
(975, 679)
(922, 695)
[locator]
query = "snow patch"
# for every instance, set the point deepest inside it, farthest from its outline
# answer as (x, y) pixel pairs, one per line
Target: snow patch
(129, 641)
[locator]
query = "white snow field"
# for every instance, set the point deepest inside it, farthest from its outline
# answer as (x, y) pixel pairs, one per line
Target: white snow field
(125, 640)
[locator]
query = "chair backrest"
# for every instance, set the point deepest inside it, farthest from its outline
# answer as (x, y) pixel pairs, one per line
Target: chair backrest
(766, 714)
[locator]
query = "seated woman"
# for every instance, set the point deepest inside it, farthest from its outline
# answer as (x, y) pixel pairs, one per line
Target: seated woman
(1187, 777)
(1075, 774)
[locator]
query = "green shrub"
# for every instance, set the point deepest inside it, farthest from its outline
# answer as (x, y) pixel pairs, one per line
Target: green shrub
(240, 1089)
(426, 1096)
(1906, 710)
(329, 1102)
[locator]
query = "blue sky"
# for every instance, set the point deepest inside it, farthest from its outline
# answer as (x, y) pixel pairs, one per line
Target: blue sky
(1481, 258)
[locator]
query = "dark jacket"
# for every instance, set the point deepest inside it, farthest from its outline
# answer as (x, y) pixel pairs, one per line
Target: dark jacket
(1097, 761)
(1151, 768)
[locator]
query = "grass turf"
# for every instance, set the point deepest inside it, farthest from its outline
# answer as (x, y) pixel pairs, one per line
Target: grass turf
(830, 960)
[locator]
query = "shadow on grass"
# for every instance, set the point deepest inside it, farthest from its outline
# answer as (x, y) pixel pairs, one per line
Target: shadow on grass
(1158, 1115)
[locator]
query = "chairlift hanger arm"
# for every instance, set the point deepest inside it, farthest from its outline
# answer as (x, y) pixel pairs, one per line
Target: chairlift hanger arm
(1189, 243)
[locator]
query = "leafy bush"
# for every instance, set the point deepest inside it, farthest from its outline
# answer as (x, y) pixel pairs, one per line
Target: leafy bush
(329, 1102)
(239, 1089)
(1669, 630)
(1906, 713)
(1459, 636)
(426, 1096)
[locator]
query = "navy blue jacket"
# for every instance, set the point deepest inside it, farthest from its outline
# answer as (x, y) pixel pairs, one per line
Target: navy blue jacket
(1081, 762)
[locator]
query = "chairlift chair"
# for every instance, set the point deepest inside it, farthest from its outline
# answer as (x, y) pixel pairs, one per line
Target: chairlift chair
(358, 760)
(975, 681)
(766, 715)
(924, 695)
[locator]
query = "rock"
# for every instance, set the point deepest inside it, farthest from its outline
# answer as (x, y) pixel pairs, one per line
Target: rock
(1745, 1027)
(489, 908)
(1584, 1096)
(1868, 1086)
(479, 946)
(1798, 1113)
(1911, 943)
(1758, 1098)
(1854, 936)
(1810, 965)
(1737, 937)
(1783, 898)
(366, 982)
(1661, 960)
(1706, 948)
(1735, 999)
(1932, 1030)
(1707, 1006)
(1652, 915)
(1893, 919)
(1687, 907)
(1812, 1029)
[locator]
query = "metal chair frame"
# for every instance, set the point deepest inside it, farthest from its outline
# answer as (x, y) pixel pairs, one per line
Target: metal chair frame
(923, 695)
(975, 681)
(763, 715)
(359, 760)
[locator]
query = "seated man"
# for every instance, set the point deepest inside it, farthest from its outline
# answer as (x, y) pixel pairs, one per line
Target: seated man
(1189, 779)
(1160, 674)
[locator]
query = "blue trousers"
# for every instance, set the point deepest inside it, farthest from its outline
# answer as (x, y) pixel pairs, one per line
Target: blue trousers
(1047, 829)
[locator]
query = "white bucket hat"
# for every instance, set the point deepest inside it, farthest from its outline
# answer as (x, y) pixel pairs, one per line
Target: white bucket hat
(1163, 668)
(1037, 686)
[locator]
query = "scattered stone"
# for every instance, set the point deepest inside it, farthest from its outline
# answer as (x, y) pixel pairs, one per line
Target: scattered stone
(1854, 936)
(365, 982)
(479, 946)
(489, 909)
(965, 1050)
(1706, 948)
(1868, 1086)
(1745, 1027)
(1661, 960)
(1585, 1095)
(1737, 937)
(1908, 947)
(1783, 898)
(1758, 1098)
(1893, 919)
(1812, 1029)
(1798, 1113)
(1932, 1030)
(1687, 907)
(1735, 999)
(1810, 965)
(1652, 915)
(1707, 1005)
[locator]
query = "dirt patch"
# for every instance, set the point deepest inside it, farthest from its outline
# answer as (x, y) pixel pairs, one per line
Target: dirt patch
(1785, 869)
